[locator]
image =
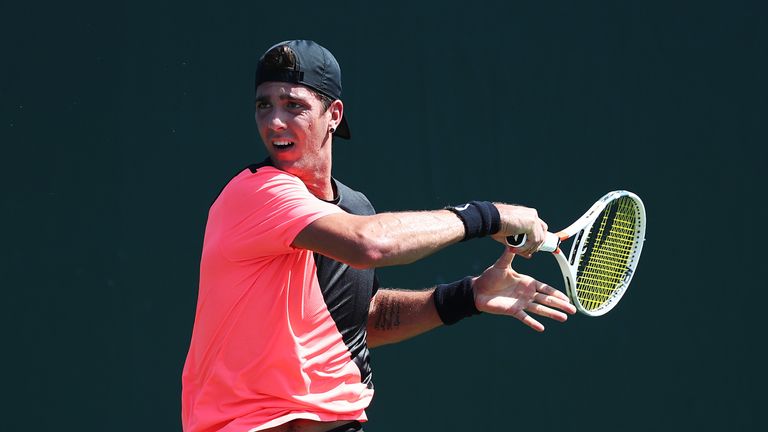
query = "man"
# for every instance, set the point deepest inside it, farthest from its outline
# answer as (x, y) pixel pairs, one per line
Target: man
(289, 303)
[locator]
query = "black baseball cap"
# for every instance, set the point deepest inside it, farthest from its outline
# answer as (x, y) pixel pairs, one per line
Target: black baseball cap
(315, 67)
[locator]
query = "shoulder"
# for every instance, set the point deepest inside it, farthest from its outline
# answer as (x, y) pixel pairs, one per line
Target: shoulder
(353, 201)
(262, 179)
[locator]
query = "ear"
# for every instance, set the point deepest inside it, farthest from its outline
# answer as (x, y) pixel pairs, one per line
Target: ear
(337, 112)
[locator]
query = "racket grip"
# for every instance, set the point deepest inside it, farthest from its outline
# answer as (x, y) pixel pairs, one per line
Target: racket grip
(551, 242)
(516, 240)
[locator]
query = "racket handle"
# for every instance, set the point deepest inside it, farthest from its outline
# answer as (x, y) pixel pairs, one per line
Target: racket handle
(516, 240)
(551, 242)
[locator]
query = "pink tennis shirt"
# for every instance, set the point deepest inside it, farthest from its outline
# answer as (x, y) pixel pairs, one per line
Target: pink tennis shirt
(265, 349)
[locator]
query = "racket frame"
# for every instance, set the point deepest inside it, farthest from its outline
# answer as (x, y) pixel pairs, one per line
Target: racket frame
(580, 230)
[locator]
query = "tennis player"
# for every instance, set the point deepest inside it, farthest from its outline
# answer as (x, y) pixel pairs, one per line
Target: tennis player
(289, 303)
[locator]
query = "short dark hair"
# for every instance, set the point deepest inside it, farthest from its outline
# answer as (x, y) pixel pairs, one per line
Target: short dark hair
(283, 57)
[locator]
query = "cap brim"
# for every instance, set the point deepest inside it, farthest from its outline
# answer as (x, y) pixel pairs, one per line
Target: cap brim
(343, 130)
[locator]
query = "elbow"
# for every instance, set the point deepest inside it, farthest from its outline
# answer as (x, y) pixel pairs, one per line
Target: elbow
(373, 251)
(367, 255)
(372, 247)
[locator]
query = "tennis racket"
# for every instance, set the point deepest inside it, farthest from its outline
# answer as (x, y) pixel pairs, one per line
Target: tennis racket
(607, 241)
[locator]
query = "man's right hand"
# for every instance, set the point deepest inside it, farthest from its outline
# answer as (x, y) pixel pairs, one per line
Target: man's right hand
(517, 220)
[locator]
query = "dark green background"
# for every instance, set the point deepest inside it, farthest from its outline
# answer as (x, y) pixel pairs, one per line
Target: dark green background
(120, 122)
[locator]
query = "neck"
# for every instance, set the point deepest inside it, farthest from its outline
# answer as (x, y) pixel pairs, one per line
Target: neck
(320, 187)
(318, 180)
(318, 177)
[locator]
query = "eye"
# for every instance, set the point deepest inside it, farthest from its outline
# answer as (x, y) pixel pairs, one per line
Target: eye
(262, 105)
(294, 105)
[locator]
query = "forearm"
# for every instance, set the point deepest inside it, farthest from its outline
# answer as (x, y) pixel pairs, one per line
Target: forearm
(406, 237)
(384, 239)
(397, 315)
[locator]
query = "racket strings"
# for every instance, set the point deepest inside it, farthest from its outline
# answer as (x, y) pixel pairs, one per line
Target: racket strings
(604, 265)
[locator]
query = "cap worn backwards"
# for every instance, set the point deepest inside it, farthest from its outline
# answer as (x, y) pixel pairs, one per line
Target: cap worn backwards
(312, 66)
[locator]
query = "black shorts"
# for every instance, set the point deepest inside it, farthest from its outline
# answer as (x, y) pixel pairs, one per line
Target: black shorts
(355, 426)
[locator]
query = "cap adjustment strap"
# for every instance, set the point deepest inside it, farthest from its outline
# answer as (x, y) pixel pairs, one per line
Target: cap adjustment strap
(283, 75)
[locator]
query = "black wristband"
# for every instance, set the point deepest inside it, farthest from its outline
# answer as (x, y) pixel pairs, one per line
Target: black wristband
(480, 218)
(455, 301)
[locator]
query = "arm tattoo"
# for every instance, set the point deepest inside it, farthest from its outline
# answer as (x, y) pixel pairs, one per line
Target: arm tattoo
(388, 314)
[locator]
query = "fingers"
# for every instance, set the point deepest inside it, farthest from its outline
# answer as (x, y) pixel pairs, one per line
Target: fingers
(544, 311)
(527, 254)
(537, 237)
(546, 302)
(548, 290)
(505, 260)
(518, 220)
(547, 312)
(550, 306)
(530, 322)
(547, 299)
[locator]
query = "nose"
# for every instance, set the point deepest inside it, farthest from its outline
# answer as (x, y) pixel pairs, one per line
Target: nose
(276, 122)
(271, 120)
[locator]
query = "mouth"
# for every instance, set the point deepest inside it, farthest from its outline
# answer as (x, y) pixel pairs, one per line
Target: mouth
(282, 145)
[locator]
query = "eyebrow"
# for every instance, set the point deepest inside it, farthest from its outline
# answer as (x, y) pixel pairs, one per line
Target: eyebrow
(284, 96)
